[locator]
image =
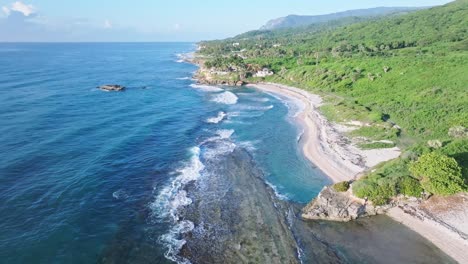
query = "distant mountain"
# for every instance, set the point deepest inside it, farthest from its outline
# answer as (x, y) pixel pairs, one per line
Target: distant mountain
(292, 21)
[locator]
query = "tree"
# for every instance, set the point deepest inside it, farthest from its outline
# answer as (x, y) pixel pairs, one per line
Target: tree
(439, 174)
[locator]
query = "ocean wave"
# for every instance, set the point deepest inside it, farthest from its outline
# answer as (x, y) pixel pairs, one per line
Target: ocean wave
(280, 196)
(184, 57)
(215, 120)
(184, 78)
(220, 148)
(220, 144)
(263, 99)
(172, 238)
(225, 98)
(254, 108)
(174, 196)
(171, 199)
(225, 133)
(254, 98)
(206, 88)
(249, 145)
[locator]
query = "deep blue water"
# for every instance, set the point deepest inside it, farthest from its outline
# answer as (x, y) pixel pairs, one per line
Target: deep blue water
(83, 172)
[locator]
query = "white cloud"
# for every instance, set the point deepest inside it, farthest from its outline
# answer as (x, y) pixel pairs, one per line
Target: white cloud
(176, 26)
(107, 24)
(19, 6)
(23, 8)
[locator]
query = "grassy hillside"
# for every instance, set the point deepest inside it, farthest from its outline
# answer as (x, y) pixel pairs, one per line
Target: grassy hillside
(409, 70)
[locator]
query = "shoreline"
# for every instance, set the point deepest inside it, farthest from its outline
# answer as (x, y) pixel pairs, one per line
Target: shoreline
(322, 144)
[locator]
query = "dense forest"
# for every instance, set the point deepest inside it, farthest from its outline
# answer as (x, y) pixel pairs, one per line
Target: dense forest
(404, 75)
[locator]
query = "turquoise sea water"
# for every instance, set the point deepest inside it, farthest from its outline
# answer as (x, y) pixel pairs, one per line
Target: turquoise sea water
(79, 165)
(90, 176)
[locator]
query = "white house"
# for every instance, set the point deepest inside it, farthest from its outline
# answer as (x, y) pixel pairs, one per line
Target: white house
(263, 73)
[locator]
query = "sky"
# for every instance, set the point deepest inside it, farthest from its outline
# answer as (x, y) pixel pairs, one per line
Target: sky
(157, 20)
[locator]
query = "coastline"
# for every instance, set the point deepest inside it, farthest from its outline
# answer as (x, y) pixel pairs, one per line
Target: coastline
(323, 144)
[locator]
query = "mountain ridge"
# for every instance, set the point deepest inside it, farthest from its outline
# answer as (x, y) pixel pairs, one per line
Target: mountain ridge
(293, 21)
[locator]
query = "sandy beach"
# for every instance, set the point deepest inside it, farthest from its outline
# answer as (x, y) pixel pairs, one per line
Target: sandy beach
(323, 143)
(326, 147)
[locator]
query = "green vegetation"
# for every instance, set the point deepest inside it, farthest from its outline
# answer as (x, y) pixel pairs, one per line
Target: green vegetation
(377, 132)
(439, 174)
(376, 145)
(403, 77)
(410, 186)
(378, 193)
(341, 186)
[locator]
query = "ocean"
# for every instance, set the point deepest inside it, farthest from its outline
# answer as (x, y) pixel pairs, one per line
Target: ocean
(166, 171)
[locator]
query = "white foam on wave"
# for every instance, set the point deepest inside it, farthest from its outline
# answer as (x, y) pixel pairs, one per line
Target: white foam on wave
(225, 98)
(295, 107)
(280, 196)
(184, 78)
(222, 144)
(170, 238)
(173, 196)
(249, 145)
(223, 147)
(184, 57)
(225, 133)
(263, 99)
(171, 199)
(215, 120)
(206, 88)
(255, 108)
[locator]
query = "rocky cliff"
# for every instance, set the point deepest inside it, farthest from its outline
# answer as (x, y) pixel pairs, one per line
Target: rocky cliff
(339, 206)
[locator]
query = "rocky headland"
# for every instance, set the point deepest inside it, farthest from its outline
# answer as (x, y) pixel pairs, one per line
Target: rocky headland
(333, 205)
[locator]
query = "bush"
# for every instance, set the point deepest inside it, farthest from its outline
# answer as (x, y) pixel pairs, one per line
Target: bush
(341, 186)
(378, 193)
(410, 186)
(439, 174)
(376, 116)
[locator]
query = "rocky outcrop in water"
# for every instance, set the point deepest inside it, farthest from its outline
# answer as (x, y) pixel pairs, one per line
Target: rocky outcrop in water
(339, 206)
(112, 87)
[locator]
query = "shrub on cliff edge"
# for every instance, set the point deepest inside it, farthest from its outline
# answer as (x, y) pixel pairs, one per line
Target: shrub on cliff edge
(439, 174)
(341, 186)
(410, 186)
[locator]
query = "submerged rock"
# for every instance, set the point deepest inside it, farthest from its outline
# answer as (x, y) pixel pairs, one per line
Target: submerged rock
(338, 206)
(112, 87)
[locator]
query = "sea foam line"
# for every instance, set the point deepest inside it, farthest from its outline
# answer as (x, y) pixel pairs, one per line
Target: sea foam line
(215, 120)
(227, 97)
(206, 88)
(171, 199)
